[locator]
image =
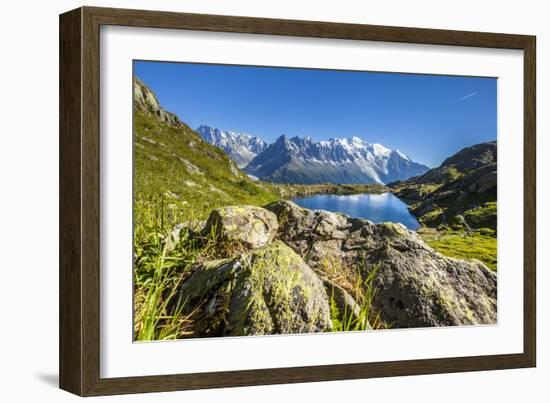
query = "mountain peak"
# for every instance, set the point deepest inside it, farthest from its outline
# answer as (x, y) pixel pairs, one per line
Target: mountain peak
(241, 147)
(379, 149)
(400, 154)
(337, 160)
(282, 139)
(474, 156)
(302, 160)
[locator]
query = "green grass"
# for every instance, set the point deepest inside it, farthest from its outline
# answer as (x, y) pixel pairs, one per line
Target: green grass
(363, 291)
(483, 216)
(452, 173)
(175, 164)
(158, 270)
(195, 177)
(163, 259)
(480, 244)
(178, 179)
(433, 218)
(477, 211)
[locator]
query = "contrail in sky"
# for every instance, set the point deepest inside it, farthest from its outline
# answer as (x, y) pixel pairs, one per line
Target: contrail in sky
(467, 96)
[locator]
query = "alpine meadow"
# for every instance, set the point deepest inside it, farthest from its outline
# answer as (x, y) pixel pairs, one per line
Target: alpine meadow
(283, 200)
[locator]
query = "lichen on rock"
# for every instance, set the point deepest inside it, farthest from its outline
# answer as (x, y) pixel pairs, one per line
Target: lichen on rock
(250, 226)
(416, 286)
(269, 290)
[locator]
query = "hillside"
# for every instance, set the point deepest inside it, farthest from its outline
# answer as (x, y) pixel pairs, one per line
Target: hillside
(457, 203)
(173, 164)
(464, 185)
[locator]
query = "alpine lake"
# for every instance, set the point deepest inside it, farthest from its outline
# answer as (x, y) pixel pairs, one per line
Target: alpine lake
(376, 207)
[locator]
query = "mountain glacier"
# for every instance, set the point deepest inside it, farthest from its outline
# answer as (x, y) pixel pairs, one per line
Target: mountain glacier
(240, 147)
(338, 160)
(302, 160)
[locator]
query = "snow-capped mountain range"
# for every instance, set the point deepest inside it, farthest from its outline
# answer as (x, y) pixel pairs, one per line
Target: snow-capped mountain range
(240, 147)
(302, 160)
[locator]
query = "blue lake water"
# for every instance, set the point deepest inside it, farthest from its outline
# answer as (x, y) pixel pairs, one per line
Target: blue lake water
(374, 207)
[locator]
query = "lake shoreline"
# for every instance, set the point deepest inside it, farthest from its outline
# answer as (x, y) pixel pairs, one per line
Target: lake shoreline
(375, 207)
(289, 191)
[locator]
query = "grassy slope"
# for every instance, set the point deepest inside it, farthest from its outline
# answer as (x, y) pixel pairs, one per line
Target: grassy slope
(175, 165)
(454, 240)
(477, 244)
(449, 237)
(462, 246)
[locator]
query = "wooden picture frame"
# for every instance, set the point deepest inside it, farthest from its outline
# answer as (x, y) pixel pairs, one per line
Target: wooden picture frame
(79, 347)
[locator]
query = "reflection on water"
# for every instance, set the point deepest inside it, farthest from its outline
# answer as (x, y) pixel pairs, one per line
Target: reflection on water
(375, 207)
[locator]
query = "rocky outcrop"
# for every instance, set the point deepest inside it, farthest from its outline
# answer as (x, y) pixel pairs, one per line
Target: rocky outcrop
(416, 286)
(463, 162)
(486, 180)
(269, 290)
(145, 100)
(248, 226)
(462, 183)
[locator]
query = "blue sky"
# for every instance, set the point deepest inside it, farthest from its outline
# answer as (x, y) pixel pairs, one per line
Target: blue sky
(427, 117)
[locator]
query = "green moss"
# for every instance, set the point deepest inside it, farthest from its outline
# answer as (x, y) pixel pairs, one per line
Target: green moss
(393, 229)
(427, 188)
(433, 218)
(452, 173)
(269, 280)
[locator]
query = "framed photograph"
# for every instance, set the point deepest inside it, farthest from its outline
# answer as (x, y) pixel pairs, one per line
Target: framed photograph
(249, 201)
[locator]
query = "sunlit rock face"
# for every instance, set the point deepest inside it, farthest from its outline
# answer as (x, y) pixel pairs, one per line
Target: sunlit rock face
(240, 147)
(338, 160)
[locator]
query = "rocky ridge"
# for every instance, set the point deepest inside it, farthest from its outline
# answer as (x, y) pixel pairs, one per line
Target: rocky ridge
(338, 160)
(463, 190)
(146, 101)
(241, 147)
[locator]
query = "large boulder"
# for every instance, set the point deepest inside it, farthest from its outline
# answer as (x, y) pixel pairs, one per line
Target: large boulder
(416, 286)
(249, 226)
(269, 290)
